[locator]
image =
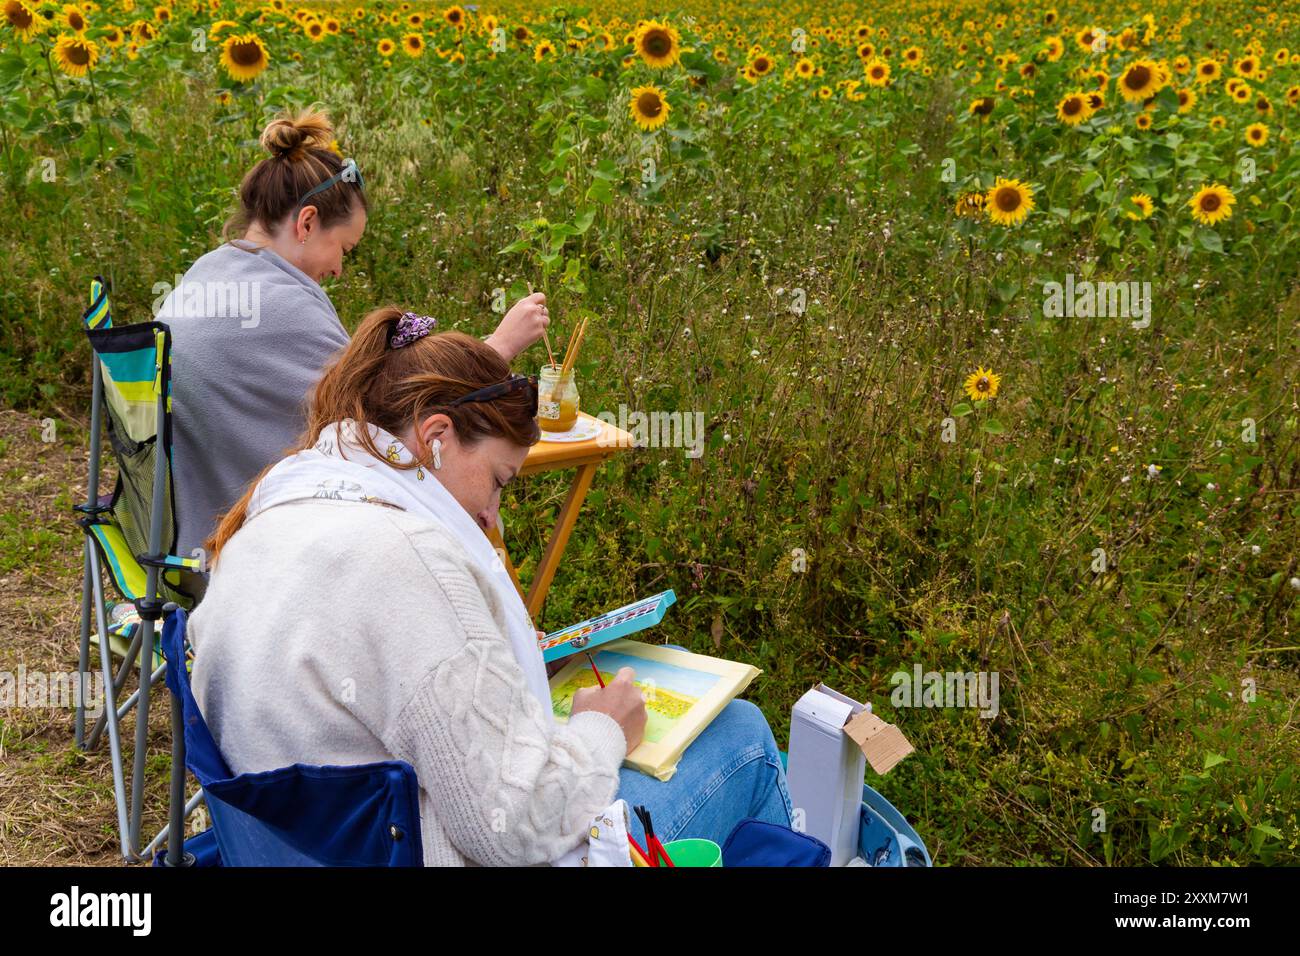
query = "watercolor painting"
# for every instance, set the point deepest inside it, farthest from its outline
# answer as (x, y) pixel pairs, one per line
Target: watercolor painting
(670, 691)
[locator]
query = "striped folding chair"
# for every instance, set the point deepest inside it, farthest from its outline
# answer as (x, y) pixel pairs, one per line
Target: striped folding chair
(131, 534)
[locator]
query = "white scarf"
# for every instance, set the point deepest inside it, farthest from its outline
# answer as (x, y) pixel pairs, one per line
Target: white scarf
(324, 472)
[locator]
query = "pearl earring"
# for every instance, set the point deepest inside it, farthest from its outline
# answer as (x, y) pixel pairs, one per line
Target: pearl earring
(437, 453)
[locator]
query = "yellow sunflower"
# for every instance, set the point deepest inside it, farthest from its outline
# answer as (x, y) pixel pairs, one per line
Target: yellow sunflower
(970, 205)
(1144, 207)
(75, 55)
(658, 43)
(649, 108)
(877, 71)
(1073, 109)
(1207, 71)
(982, 384)
(315, 30)
(74, 19)
(543, 49)
(1256, 134)
(1143, 120)
(1140, 80)
(1009, 201)
(761, 65)
(244, 57)
(1212, 204)
(805, 68)
(413, 45)
(455, 16)
(21, 18)
(982, 106)
(386, 47)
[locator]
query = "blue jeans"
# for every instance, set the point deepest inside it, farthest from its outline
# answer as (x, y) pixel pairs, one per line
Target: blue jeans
(731, 771)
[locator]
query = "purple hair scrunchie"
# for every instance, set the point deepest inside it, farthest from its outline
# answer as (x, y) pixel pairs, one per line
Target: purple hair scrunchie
(411, 327)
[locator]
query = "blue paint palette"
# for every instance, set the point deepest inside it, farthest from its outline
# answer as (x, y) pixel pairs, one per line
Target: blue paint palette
(609, 626)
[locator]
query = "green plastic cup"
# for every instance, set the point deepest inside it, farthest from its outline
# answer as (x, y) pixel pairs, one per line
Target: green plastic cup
(694, 853)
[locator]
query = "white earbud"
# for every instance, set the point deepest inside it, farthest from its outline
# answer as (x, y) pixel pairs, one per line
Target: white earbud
(437, 453)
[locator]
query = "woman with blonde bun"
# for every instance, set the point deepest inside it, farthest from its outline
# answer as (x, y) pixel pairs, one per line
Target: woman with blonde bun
(252, 329)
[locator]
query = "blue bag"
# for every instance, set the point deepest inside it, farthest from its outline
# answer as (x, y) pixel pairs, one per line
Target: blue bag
(759, 843)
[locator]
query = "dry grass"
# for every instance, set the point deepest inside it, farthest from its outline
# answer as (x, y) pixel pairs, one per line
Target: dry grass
(56, 802)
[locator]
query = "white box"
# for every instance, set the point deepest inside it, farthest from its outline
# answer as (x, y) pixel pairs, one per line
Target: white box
(825, 770)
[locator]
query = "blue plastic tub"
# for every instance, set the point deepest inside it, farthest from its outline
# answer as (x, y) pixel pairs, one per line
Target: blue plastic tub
(886, 838)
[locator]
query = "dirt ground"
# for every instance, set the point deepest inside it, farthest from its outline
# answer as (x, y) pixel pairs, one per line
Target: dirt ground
(56, 802)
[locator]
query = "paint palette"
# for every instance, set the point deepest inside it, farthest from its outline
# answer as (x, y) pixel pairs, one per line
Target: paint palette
(609, 626)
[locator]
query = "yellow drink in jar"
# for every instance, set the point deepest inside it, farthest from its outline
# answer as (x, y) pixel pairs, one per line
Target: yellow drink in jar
(557, 400)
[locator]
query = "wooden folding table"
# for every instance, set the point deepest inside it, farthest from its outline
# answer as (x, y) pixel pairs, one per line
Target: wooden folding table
(586, 456)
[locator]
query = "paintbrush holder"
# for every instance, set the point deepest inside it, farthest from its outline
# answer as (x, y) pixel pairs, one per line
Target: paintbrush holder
(557, 399)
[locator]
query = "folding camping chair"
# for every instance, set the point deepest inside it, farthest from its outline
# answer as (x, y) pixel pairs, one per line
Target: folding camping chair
(130, 533)
(302, 815)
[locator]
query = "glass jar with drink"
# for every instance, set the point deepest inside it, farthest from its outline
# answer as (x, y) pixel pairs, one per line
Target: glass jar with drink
(557, 399)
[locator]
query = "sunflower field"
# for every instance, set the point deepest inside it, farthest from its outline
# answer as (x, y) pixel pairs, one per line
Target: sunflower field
(991, 309)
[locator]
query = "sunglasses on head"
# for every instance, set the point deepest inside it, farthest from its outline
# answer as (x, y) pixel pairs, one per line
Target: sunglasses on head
(349, 173)
(514, 383)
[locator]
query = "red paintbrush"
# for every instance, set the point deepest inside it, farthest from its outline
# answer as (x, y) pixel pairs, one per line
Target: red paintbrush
(652, 842)
(593, 667)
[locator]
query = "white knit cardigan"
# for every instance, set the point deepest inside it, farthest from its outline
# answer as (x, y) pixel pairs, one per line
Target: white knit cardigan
(340, 632)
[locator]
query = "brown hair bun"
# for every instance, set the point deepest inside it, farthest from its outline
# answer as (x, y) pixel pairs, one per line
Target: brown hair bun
(289, 137)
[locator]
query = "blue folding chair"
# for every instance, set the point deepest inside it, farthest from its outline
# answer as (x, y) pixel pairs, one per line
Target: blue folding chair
(302, 815)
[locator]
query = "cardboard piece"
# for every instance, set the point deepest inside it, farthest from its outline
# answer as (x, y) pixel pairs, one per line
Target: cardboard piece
(832, 737)
(882, 744)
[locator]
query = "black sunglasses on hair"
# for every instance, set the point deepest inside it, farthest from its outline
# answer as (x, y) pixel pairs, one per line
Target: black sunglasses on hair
(511, 385)
(348, 173)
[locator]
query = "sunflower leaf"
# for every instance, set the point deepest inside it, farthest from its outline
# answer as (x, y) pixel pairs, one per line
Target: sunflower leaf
(1211, 241)
(583, 220)
(600, 191)
(606, 169)
(11, 66)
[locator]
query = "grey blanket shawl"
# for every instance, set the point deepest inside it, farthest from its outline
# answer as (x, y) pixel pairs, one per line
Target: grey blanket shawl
(251, 334)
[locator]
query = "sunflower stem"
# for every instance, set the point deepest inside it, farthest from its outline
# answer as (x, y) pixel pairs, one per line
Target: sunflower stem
(94, 113)
(50, 67)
